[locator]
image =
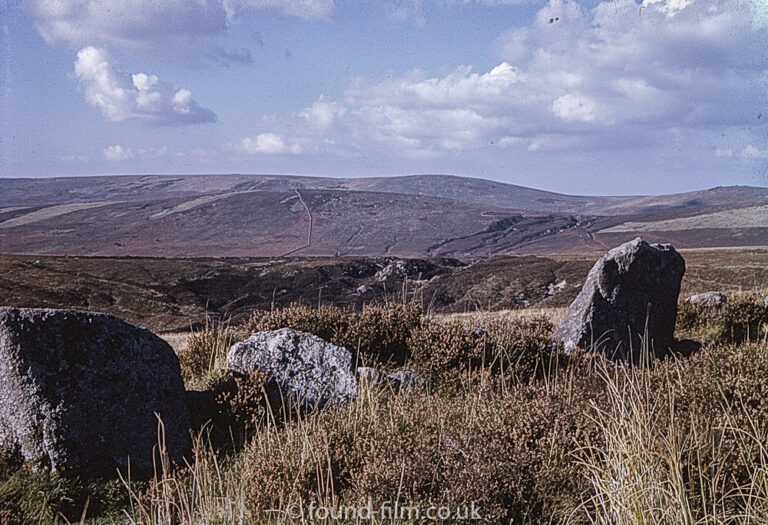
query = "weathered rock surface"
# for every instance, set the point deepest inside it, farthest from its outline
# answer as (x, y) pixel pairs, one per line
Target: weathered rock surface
(711, 300)
(630, 295)
(407, 381)
(307, 370)
(370, 375)
(401, 381)
(79, 391)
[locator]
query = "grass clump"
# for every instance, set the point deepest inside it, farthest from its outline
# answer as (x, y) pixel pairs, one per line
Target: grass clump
(507, 453)
(518, 348)
(684, 443)
(204, 361)
(28, 496)
(742, 318)
(377, 334)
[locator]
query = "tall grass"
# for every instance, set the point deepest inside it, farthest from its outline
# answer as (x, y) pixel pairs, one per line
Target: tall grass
(660, 461)
(208, 489)
(528, 435)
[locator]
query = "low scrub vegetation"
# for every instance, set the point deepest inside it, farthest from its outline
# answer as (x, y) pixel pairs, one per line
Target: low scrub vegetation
(377, 334)
(508, 425)
(743, 317)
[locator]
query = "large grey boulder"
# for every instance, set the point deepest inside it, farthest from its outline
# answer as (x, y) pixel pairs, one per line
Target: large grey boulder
(79, 391)
(307, 371)
(629, 297)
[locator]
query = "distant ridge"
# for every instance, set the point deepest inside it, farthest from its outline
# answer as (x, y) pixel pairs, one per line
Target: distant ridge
(65, 190)
(413, 216)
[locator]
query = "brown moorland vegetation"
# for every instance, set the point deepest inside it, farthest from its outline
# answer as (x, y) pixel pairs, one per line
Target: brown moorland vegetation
(523, 432)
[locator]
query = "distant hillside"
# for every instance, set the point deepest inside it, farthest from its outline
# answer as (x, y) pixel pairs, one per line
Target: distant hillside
(271, 216)
(255, 223)
(24, 192)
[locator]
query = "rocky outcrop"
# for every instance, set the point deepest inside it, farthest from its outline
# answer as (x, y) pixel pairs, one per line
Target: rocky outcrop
(627, 307)
(80, 391)
(711, 300)
(305, 369)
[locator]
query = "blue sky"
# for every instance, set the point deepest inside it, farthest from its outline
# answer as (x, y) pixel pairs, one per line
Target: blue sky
(613, 97)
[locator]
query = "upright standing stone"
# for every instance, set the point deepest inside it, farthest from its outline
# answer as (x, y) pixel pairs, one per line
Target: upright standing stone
(627, 304)
(80, 391)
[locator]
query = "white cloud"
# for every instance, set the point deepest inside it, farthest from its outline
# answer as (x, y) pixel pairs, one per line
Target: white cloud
(753, 152)
(514, 44)
(120, 96)
(723, 152)
(322, 9)
(178, 28)
(322, 114)
(616, 77)
(574, 108)
(150, 26)
(117, 153)
(268, 143)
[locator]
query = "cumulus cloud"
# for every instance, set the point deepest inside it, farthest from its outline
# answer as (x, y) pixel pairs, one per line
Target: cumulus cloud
(323, 113)
(574, 108)
(267, 143)
(753, 152)
(159, 27)
(620, 76)
(122, 96)
(322, 9)
(117, 153)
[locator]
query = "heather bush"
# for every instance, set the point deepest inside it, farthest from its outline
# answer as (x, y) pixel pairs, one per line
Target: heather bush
(323, 322)
(443, 349)
(513, 348)
(742, 318)
(509, 454)
(240, 406)
(204, 360)
(377, 334)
